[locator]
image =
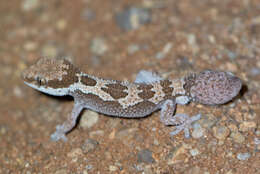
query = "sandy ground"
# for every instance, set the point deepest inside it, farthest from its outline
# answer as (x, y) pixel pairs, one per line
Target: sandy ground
(115, 39)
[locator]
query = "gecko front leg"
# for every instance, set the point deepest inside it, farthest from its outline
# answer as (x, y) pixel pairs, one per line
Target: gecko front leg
(64, 128)
(180, 121)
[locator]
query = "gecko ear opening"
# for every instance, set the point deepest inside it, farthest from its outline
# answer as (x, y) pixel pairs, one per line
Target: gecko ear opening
(214, 87)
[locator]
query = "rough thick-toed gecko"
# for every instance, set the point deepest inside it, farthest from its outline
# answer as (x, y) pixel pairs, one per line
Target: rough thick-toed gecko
(147, 94)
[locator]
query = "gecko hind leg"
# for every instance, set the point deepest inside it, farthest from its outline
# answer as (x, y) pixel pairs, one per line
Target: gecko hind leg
(64, 128)
(180, 121)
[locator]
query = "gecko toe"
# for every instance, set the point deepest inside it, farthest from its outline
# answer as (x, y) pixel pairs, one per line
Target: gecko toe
(185, 124)
(56, 136)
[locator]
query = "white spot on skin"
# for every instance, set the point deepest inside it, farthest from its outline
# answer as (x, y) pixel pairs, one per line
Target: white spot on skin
(132, 98)
(158, 95)
(177, 86)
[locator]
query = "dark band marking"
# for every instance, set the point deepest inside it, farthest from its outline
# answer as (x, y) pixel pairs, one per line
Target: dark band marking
(117, 86)
(146, 93)
(166, 87)
(88, 81)
(115, 90)
(67, 79)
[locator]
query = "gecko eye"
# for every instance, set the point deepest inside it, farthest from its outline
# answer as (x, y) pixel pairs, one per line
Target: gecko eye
(40, 81)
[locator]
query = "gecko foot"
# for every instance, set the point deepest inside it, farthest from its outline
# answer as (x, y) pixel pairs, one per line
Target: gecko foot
(59, 134)
(183, 122)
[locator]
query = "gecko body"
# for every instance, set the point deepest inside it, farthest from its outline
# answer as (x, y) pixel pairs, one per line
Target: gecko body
(147, 94)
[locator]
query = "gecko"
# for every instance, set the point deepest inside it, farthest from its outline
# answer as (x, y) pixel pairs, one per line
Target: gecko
(148, 93)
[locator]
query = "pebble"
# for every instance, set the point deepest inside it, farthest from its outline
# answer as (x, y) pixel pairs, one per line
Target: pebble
(208, 120)
(50, 50)
(133, 48)
(74, 153)
(30, 46)
(221, 132)
(194, 152)
(237, 137)
(98, 46)
(145, 156)
(243, 156)
(132, 18)
(247, 125)
(18, 92)
(231, 55)
(28, 5)
(89, 145)
(96, 133)
(61, 24)
(198, 131)
(61, 171)
(176, 155)
(255, 71)
(194, 170)
(113, 168)
(89, 118)
(88, 14)
(165, 51)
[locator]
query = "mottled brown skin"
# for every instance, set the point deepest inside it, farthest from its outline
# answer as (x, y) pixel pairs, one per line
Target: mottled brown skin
(51, 73)
(130, 100)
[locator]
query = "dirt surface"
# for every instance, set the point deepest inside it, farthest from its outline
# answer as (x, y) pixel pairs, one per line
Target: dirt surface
(115, 39)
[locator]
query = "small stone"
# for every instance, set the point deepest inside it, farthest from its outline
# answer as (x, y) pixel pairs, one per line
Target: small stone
(89, 145)
(89, 118)
(30, 46)
(255, 71)
(50, 50)
(194, 152)
(231, 67)
(133, 48)
(237, 137)
(165, 51)
(113, 168)
(191, 39)
(61, 171)
(88, 14)
(132, 18)
(231, 55)
(221, 132)
(148, 170)
(243, 156)
(98, 46)
(233, 127)
(88, 167)
(28, 5)
(61, 24)
(247, 126)
(198, 131)
(194, 170)
(208, 121)
(145, 156)
(176, 155)
(18, 92)
(96, 133)
(74, 153)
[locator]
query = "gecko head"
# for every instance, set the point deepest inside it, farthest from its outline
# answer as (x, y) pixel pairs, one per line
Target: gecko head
(213, 87)
(52, 76)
